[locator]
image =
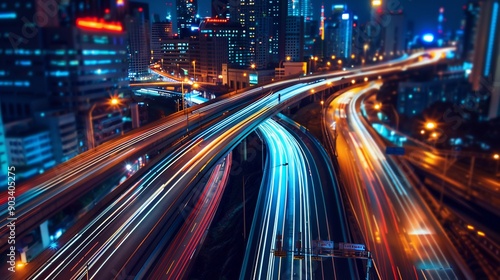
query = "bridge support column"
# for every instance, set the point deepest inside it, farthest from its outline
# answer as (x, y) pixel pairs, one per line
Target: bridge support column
(44, 233)
(24, 258)
(243, 149)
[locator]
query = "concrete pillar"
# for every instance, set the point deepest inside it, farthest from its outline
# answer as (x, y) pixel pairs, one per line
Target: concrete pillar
(24, 259)
(244, 143)
(134, 108)
(44, 233)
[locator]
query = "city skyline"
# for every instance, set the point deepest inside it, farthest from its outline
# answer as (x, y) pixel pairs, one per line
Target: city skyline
(424, 13)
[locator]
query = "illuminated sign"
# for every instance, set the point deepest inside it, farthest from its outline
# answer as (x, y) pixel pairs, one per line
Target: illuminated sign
(253, 79)
(376, 3)
(429, 38)
(221, 20)
(93, 23)
(345, 16)
(9, 15)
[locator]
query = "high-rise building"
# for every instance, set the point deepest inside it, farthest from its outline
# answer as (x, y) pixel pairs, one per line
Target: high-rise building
(338, 33)
(471, 11)
(222, 31)
(302, 8)
(186, 17)
(485, 74)
(161, 31)
(394, 34)
(237, 48)
(176, 56)
(227, 9)
(294, 38)
(138, 30)
(65, 64)
(31, 152)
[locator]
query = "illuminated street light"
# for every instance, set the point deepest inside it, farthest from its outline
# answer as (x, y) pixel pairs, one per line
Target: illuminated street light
(434, 135)
(496, 157)
(430, 125)
(114, 101)
(377, 106)
(422, 132)
(194, 69)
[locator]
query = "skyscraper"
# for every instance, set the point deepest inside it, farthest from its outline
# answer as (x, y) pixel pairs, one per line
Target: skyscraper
(138, 30)
(160, 32)
(300, 8)
(394, 34)
(338, 32)
(186, 16)
(485, 73)
(60, 69)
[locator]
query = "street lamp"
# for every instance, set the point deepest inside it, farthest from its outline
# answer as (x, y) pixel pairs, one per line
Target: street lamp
(194, 70)
(365, 48)
(496, 157)
(114, 101)
(281, 67)
(184, 104)
(430, 125)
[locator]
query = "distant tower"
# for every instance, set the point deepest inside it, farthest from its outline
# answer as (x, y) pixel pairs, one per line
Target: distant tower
(138, 28)
(186, 16)
(485, 73)
(440, 21)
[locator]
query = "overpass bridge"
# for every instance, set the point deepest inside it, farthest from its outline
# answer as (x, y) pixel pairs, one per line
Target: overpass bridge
(68, 179)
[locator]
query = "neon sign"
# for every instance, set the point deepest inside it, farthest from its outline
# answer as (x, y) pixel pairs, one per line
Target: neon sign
(93, 23)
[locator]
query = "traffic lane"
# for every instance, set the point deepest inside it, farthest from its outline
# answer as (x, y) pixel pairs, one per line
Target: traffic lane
(329, 217)
(179, 253)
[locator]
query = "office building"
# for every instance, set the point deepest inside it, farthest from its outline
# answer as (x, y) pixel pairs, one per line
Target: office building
(237, 52)
(67, 65)
(186, 17)
(394, 35)
(338, 33)
(29, 150)
(471, 15)
(62, 130)
(139, 50)
(294, 39)
(485, 74)
(176, 56)
(415, 97)
(161, 31)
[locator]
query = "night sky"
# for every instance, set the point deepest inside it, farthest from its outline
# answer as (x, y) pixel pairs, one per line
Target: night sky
(423, 12)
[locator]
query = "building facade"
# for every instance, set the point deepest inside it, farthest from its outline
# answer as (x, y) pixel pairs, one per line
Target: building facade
(485, 74)
(137, 26)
